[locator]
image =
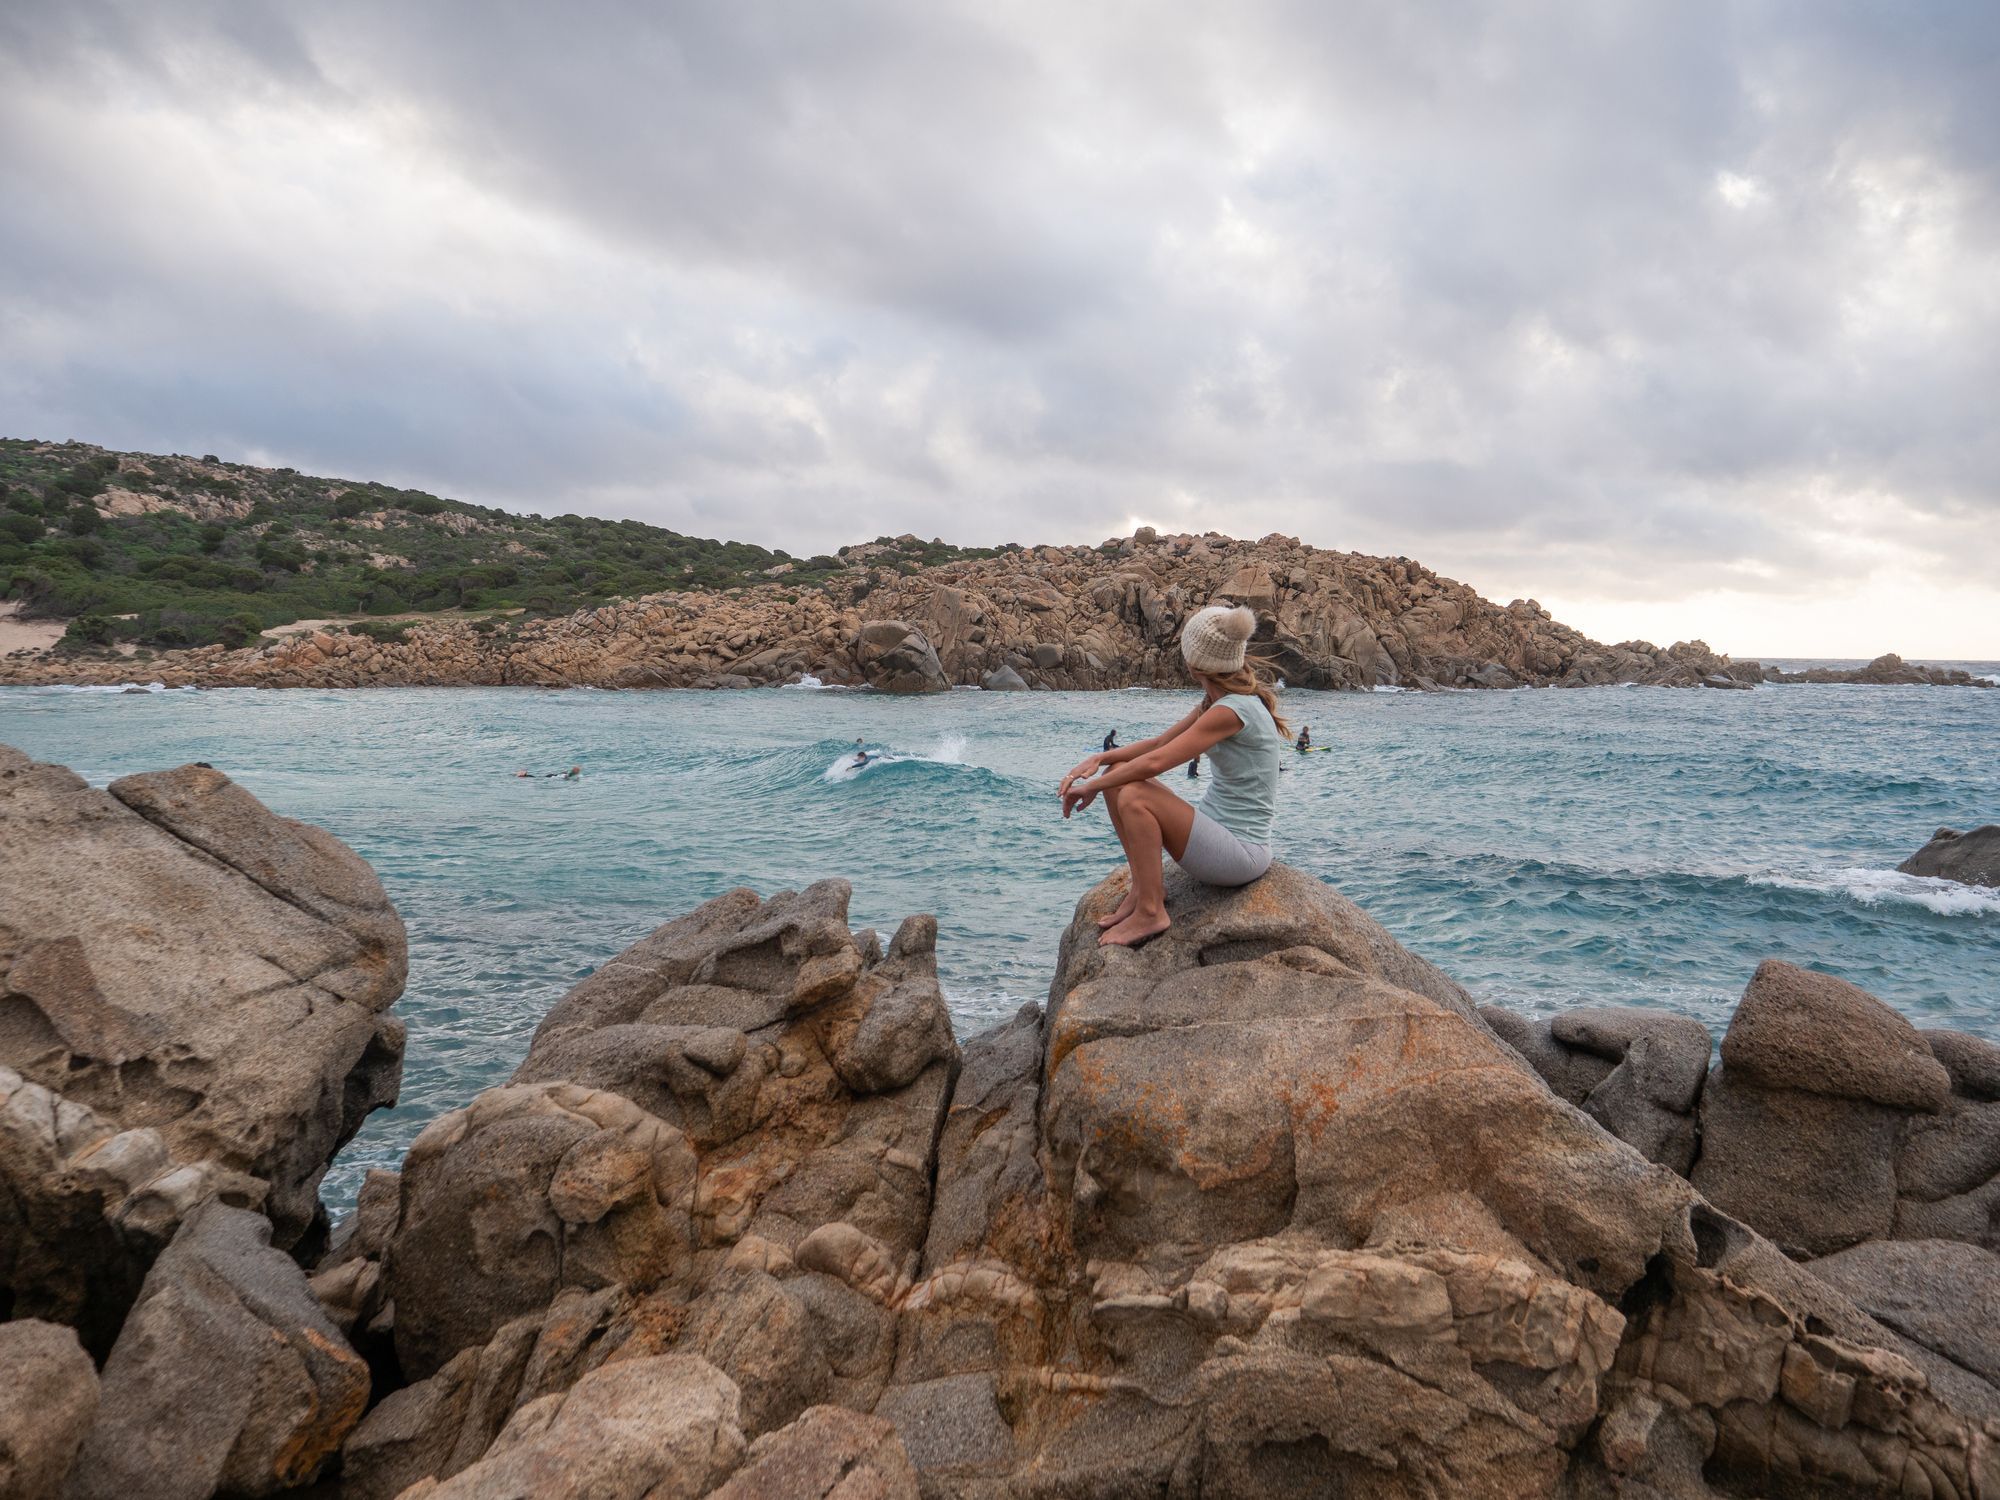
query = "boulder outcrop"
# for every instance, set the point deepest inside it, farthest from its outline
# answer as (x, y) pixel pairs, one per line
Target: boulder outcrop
(1041, 617)
(1969, 858)
(1889, 670)
(1829, 1122)
(227, 1378)
(1264, 1206)
(193, 1003)
(1818, 1083)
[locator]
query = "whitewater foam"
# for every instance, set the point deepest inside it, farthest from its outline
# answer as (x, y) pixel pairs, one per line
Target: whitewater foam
(1876, 887)
(948, 751)
(108, 687)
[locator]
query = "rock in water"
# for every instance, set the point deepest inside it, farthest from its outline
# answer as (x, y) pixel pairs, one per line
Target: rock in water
(192, 1001)
(227, 1378)
(47, 1400)
(1970, 858)
(895, 657)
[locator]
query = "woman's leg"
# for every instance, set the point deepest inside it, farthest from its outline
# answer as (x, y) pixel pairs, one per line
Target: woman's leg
(1131, 900)
(1151, 821)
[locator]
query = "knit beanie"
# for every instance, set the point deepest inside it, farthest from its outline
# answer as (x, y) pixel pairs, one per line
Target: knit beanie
(1213, 639)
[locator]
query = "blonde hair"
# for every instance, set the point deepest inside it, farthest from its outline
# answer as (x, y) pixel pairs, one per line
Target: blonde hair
(1248, 679)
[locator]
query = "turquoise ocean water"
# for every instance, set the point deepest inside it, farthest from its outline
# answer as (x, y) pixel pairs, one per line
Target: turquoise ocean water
(1548, 848)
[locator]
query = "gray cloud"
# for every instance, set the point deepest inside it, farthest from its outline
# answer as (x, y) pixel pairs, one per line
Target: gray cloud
(1625, 303)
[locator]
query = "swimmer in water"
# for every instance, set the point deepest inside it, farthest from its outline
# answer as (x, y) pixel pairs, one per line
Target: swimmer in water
(570, 775)
(861, 755)
(1194, 769)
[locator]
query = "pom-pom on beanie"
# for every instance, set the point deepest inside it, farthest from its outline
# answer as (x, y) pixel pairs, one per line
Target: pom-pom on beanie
(1213, 639)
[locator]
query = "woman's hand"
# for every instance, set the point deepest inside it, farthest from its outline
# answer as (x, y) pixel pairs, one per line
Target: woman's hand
(1075, 797)
(1087, 767)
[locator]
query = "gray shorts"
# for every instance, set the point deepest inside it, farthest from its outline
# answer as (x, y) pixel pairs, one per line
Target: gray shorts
(1215, 856)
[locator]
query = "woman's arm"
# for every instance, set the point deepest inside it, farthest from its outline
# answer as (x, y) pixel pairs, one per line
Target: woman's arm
(1090, 765)
(1210, 726)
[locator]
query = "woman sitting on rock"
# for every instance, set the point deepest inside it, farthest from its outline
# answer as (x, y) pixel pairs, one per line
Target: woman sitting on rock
(1226, 840)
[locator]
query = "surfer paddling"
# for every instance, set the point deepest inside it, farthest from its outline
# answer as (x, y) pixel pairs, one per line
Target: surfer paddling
(1224, 841)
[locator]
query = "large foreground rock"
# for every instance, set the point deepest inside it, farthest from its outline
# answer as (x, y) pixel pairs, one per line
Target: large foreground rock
(1258, 1218)
(719, 1144)
(1263, 1207)
(192, 1003)
(48, 1397)
(1972, 858)
(227, 1379)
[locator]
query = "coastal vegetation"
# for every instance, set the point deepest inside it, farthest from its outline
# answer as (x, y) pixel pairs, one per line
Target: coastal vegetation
(170, 551)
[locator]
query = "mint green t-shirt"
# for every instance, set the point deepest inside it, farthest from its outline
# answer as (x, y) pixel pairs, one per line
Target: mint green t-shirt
(1243, 772)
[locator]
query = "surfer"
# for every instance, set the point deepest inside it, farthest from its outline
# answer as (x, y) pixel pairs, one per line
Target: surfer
(1194, 769)
(1111, 742)
(1306, 738)
(1226, 840)
(861, 755)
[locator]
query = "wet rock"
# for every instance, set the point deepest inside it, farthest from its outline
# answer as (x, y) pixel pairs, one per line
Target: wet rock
(1972, 858)
(194, 990)
(227, 1378)
(661, 1428)
(47, 1401)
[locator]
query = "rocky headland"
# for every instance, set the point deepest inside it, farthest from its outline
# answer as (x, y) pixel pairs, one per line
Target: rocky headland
(1043, 617)
(1266, 1207)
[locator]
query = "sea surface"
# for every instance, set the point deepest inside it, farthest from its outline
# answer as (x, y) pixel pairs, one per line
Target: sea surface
(1549, 848)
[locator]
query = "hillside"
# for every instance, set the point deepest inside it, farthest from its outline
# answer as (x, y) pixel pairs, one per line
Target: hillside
(173, 551)
(174, 569)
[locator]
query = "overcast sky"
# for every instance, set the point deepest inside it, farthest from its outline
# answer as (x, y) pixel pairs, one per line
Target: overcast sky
(1682, 318)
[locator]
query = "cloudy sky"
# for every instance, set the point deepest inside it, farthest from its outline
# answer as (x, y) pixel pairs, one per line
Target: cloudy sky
(1682, 318)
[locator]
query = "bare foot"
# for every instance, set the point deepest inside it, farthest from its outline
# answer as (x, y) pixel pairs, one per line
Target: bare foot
(1125, 909)
(1133, 931)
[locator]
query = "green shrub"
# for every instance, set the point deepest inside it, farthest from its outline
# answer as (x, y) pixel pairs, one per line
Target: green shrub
(88, 630)
(21, 528)
(239, 629)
